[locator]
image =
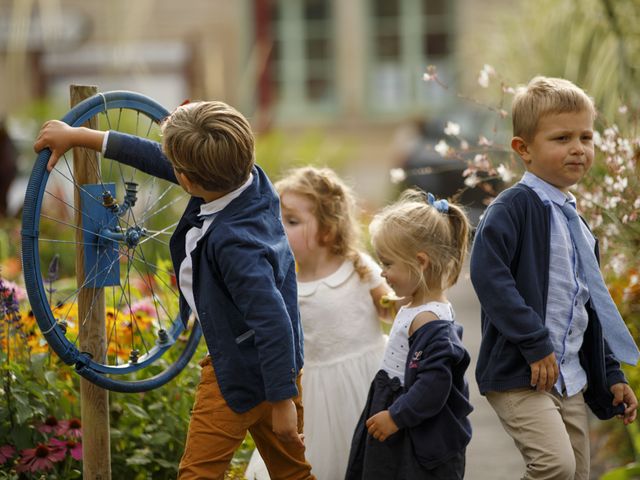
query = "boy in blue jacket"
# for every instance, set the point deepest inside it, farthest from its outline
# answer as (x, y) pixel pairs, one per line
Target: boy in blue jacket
(235, 272)
(543, 357)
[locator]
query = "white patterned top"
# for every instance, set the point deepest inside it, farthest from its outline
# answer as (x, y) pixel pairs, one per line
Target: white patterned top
(395, 355)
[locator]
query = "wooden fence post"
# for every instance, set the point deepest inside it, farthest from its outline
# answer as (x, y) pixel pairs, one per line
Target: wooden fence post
(94, 400)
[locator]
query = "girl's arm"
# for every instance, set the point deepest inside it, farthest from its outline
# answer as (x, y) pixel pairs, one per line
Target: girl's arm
(385, 306)
(434, 360)
(60, 138)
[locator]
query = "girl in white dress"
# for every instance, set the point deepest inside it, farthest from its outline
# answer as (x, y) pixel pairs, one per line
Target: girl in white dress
(339, 292)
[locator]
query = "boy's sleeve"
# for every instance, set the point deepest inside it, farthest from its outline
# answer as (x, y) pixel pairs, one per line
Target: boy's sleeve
(249, 273)
(141, 153)
(613, 371)
(493, 251)
(429, 393)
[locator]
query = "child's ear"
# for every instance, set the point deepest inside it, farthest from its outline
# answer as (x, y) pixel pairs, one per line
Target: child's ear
(423, 260)
(327, 237)
(184, 181)
(521, 147)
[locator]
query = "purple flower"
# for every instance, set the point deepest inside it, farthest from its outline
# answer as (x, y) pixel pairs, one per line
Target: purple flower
(40, 459)
(74, 448)
(6, 453)
(71, 428)
(51, 425)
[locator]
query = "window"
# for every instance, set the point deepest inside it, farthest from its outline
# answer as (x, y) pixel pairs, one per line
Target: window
(302, 60)
(405, 37)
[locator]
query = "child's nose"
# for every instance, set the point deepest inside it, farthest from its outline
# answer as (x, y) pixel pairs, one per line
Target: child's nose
(577, 148)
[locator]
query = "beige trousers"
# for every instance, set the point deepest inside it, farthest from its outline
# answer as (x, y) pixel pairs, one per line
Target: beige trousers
(551, 432)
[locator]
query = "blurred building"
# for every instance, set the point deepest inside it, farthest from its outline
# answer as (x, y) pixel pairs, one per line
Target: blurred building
(348, 67)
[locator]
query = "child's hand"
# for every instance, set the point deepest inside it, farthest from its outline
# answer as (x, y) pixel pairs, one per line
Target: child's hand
(622, 393)
(285, 421)
(544, 373)
(381, 426)
(60, 137)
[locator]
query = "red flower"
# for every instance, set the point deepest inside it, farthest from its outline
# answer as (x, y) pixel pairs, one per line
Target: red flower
(71, 428)
(74, 448)
(40, 458)
(6, 453)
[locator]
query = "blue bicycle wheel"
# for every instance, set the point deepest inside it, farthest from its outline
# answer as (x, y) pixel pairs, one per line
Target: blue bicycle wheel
(119, 227)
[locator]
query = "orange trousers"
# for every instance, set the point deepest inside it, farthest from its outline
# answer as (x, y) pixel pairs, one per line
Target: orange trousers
(216, 431)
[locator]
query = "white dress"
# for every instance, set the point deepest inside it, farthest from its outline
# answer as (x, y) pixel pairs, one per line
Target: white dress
(343, 349)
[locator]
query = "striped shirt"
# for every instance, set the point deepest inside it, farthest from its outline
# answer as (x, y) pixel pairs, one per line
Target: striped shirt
(566, 316)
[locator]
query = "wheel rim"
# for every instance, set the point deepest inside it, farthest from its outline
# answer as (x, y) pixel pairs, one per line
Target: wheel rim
(141, 298)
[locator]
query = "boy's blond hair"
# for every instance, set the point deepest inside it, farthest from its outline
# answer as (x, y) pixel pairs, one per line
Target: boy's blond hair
(411, 225)
(334, 208)
(545, 95)
(211, 143)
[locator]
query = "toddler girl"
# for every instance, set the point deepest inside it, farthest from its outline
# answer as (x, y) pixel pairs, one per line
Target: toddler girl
(339, 292)
(415, 424)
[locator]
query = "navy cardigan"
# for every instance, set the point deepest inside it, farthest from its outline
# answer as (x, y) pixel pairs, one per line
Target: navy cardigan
(510, 273)
(434, 405)
(244, 283)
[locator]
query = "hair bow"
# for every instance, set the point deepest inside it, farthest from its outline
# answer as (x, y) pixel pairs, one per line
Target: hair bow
(441, 205)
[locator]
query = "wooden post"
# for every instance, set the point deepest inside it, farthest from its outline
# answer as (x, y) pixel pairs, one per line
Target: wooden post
(94, 401)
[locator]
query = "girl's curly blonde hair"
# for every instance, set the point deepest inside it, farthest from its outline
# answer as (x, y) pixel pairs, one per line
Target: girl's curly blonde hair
(334, 208)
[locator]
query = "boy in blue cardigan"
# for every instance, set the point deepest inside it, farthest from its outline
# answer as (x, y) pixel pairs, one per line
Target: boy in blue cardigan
(235, 272)
(542, 355)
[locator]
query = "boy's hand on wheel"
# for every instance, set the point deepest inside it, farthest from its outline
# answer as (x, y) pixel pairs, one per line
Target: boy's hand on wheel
(59, 137)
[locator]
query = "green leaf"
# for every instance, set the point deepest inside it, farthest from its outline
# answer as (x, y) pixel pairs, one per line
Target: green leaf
(141, 456)
(628, 472)
(137, 411)
(160, 438)
(51, 376)
(165, 464)
(21, 437)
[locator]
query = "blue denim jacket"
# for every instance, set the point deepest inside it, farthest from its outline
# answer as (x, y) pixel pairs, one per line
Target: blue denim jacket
(244, 284)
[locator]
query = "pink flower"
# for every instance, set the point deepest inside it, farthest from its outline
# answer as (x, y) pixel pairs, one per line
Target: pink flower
(40, 458)
(6, 453)
(51, 425)
(71, 446)
(144, 306)
(71, 428)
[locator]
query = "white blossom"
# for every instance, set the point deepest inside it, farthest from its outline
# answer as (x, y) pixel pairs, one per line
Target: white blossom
(397, 175)
(505, 173)
(472, 180)
(597, 138)
(483, 77)
(481, 161)
(621, 184)
(442, 148)
(452, 129)
(484, 141)
(618, 263)
(489, 69)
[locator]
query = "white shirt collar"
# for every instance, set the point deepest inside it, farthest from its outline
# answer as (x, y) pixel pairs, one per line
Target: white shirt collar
(219, 204)
(546, 191)
(333, 280)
